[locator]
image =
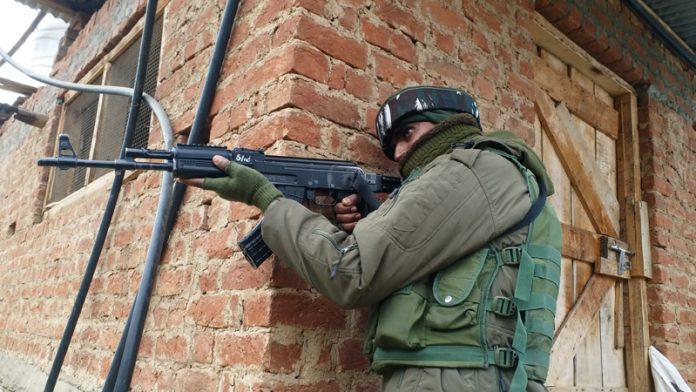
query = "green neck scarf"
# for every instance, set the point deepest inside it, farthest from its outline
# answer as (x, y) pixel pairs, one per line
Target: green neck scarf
(438, 141)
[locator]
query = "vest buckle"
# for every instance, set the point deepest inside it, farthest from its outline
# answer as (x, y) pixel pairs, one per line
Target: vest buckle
(511, 255)
(504, 357)
(503, 306)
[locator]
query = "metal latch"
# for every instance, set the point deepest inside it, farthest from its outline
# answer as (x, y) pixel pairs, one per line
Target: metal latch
(614, 257)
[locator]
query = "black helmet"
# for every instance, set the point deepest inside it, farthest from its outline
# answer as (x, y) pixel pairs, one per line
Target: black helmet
(413, 100)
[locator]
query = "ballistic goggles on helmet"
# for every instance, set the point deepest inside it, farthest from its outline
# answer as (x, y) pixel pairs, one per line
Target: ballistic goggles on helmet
(416, 100)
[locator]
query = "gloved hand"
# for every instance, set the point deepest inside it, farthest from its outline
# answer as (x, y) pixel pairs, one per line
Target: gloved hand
(242, 184)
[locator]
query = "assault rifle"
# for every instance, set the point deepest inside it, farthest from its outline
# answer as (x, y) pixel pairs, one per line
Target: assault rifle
(300, 179)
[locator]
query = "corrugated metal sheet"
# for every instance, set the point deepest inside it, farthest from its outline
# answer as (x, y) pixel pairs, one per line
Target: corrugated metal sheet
(679, 15)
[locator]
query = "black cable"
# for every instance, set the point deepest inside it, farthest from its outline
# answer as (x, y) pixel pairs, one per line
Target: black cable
(206, 100)
(139, 312)
(111, 203)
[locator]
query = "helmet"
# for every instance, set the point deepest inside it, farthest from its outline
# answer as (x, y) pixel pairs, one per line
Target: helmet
(413, 100)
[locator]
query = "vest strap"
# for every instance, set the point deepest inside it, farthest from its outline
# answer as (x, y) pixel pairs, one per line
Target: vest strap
(548, 272)
(539, 301)
(544, 252)
(502, 357)
(540, 327)
(511, 255)
(503, 306)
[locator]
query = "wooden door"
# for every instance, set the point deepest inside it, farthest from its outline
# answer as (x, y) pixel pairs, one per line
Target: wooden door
(586, 135)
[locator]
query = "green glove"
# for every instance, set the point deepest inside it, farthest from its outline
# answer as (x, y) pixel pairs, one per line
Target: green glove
(243, 184)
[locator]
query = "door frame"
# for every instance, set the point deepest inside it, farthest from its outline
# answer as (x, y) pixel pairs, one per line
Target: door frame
(634, 227)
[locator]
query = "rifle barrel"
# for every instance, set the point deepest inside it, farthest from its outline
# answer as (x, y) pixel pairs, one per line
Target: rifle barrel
(66, 162)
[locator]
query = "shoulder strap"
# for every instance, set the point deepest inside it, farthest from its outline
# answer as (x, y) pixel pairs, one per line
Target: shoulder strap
(501, 148)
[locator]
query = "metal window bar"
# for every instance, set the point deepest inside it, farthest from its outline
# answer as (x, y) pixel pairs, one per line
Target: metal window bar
(80, 117)
(115, 112)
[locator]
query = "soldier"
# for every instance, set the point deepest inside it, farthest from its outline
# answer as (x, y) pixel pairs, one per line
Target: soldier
(460, 265)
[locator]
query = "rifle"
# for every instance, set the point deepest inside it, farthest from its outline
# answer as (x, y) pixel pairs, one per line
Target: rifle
(300, 179)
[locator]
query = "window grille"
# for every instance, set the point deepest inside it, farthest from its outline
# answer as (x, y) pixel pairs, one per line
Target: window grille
(97, 125)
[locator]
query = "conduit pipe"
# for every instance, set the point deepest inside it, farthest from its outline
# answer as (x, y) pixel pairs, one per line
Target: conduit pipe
(136, 319)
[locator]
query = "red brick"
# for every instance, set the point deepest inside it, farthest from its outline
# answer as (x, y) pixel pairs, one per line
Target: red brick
(392, 41)
(188, 379)
(257, 311)
(582, 36)
(288, 124)
(326, 39)
(318, 386)
(570, 22)
(239, 275)
(481, 40)
(396, 72)
(241, 349)
(209, 310)
(365, 149)
(301, 309)
(449, 70)
(404, 19)
(662, 314)
(229, 119)
(310, 97)
(202, 347)
(337, 78)
(485, 89)
(215, 244)
(444, 41)
(609, 56)
(284, 277)
(360, 85)
(174, 348)
(521, 86)
(349, 19)
(446, 17)
(552, 10)
(350, 356)
(147, 378)
(284, 358)
(172, 281)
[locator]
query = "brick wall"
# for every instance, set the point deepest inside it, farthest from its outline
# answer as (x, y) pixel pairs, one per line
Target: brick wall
(302, 77)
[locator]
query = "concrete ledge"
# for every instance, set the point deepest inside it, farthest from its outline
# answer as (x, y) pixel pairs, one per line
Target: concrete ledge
(19, 376)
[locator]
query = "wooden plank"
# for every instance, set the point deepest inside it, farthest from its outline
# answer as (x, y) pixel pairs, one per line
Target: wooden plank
(16, 87)
(97, 132)
(588, 366)
(565, 299)
(580, 101)
(548, 37)
(584, 175)
(574, 329)
(637, 343)
(619, 319)
(645, 269)
(613, 372)
(561, 199)
(580, 244)
(637, 337)
(629, 184)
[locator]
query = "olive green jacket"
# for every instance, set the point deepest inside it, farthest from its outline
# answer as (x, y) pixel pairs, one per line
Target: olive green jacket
(453, 206)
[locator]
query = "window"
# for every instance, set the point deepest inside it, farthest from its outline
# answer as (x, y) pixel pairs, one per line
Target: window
(96, 123)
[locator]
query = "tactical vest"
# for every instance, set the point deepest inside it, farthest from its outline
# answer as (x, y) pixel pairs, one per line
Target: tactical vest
(453, 320)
